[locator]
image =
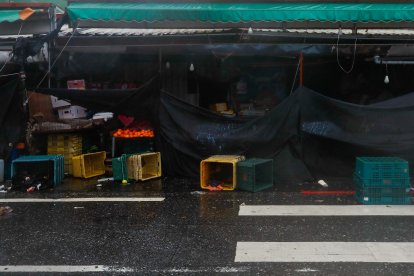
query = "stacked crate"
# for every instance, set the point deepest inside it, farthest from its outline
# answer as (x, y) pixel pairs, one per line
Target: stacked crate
(144, 166)
(69, 145)
(382, 180)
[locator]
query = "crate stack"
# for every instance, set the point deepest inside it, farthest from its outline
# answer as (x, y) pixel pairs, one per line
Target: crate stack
(382, 180)
(68, 145)
(142, 166)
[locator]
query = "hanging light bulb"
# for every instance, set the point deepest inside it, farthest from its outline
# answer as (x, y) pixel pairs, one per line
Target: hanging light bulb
(386, 79)
(167, 65)
(250, 31)
(191, 67)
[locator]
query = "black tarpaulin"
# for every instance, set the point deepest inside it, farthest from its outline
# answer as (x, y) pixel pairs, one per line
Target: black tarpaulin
(12, 116)
(308, 135)
(190, 134)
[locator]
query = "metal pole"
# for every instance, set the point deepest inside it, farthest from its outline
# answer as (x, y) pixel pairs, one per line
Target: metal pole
(49, 47)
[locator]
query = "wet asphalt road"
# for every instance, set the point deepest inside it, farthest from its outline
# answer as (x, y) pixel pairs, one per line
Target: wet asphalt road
(189, 232)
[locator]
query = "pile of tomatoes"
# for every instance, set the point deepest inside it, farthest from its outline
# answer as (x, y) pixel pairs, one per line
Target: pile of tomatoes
(131, 133)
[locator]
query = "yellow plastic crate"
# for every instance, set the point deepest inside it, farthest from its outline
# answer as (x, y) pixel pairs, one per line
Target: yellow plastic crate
(89, 165)
(220, 170)
(69, 145)
(64, 150)
(144, 166)
(64, 140)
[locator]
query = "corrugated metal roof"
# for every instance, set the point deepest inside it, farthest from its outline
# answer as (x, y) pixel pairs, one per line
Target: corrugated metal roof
(66, 31)
(135, 32)
(402, 32)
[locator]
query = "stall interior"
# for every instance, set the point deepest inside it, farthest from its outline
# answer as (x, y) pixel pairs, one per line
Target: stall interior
(246, 89)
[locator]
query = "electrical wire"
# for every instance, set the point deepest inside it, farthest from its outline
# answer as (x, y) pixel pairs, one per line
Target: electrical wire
(337, 54)
(241, 37)
(296, 74)
(8, 75)
(56, 59)
(11, 56)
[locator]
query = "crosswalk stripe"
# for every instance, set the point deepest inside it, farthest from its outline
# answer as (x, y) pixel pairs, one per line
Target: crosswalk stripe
(81, 199)
(372, 252)
(326, 210)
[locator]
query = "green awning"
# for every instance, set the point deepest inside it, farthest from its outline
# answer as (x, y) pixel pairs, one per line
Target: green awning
(241, 12)
(12, 15)
(9, 15)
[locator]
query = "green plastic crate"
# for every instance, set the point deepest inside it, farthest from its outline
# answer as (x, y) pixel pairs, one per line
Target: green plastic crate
(382, 195)
(381, 168)
(255, 174)
(368, 199)
(120, 167)
(382, 182)
(53, 165)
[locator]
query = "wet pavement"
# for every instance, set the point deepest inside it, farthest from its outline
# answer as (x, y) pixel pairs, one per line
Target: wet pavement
(190, 231)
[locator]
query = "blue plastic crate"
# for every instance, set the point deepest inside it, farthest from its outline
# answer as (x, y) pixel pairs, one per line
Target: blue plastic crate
(381, 168)
(382, 183)
(54, 165)
(255, 174)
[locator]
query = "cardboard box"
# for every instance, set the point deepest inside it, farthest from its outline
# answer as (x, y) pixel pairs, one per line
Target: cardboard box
(41, 104)
(56, 103)
(218, 107)
(72, 112)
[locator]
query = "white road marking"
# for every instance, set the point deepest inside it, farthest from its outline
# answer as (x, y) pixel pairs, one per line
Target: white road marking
(103, 268)
(62, 268)
(306, 270)
(326, 210)
(81, 199)
(292, 252)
